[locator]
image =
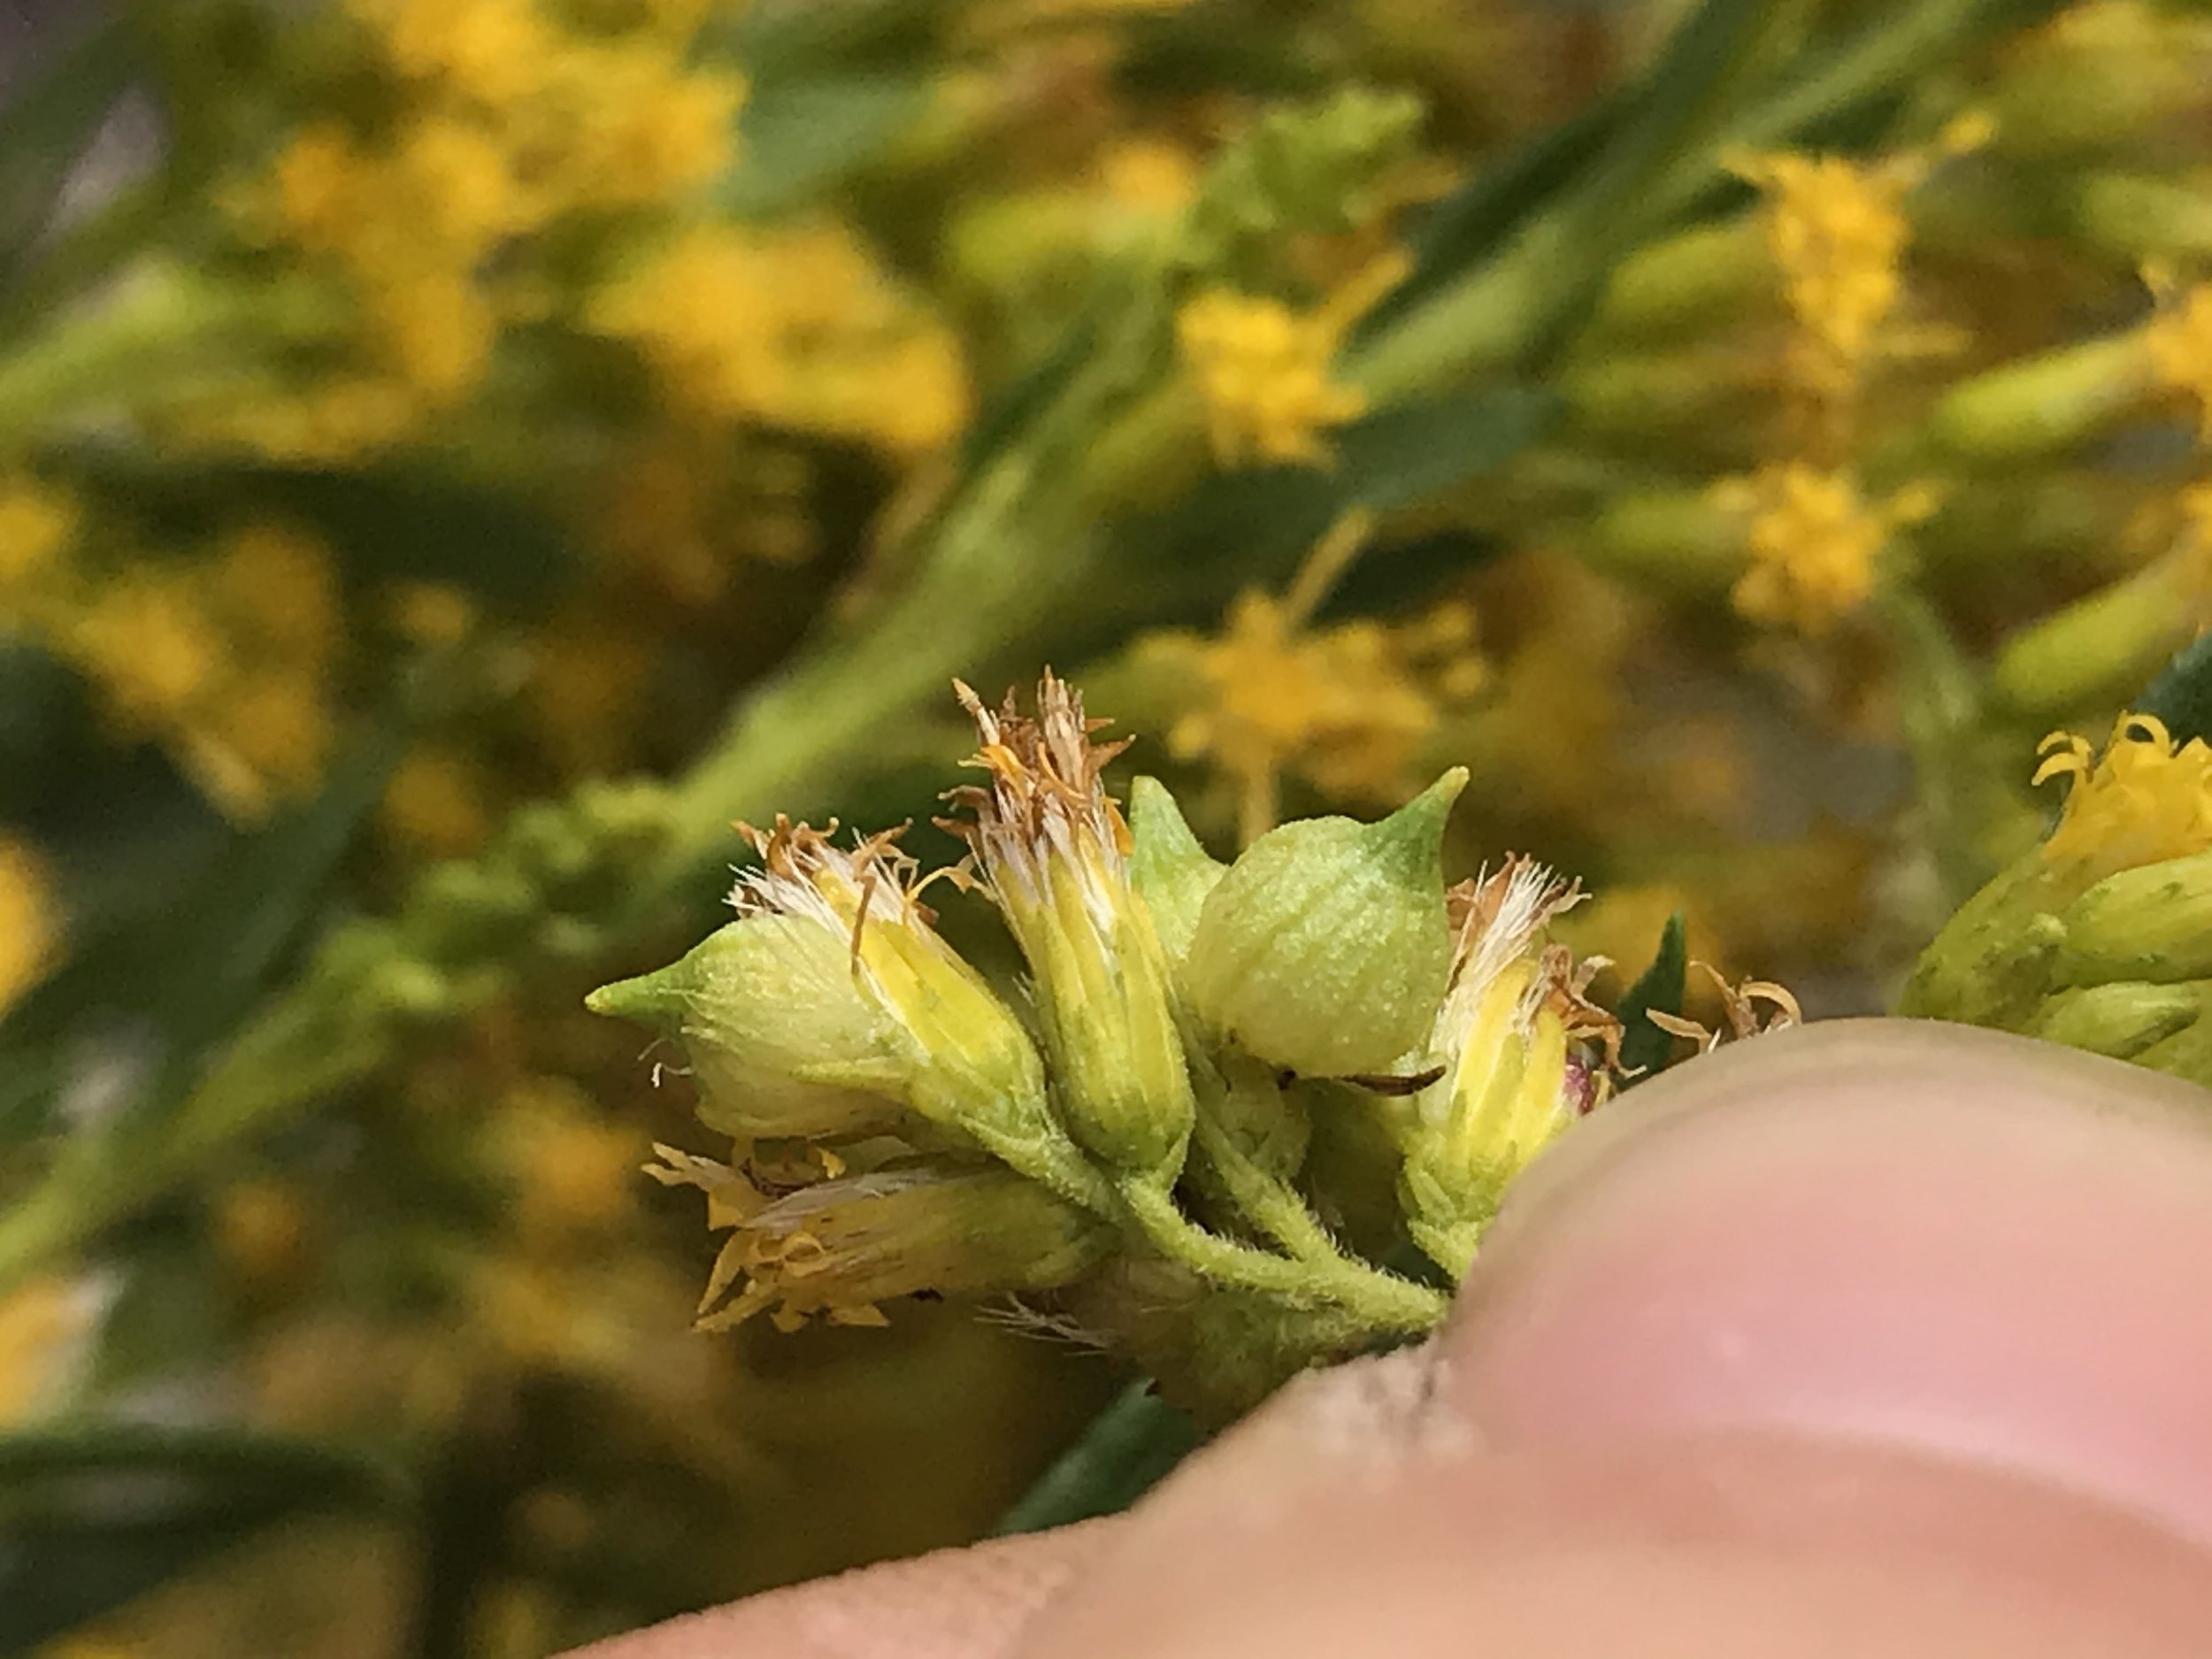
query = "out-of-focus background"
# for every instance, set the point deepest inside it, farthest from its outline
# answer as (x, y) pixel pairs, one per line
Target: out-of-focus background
(456, 456)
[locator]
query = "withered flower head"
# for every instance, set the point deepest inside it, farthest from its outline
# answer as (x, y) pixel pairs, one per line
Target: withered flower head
(1514, 1035)
(1052, 852)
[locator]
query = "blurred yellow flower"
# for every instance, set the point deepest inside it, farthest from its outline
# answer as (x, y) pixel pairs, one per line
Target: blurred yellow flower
(30, 920)
(2180, 340)
(573, 1171)
(36, 524)
(1346, 707)
(432, 613)
(1149, 175)
(151, 646)
(636, 126)
(268, 735)
(588, 685)
(261, 1229)
(797, 327)
(1814, 542)
(1837, 231)
(40, 1322)
(1263, 371)
(438, 802)
(281, 586)
(492, 50)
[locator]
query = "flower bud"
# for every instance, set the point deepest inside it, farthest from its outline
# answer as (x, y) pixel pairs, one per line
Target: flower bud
(1055, 858)
(2045, 404)
(779, 1038)
(1326, 949)
(2116, 893)
(1168, 868)
(841, 1246)
(853, 988)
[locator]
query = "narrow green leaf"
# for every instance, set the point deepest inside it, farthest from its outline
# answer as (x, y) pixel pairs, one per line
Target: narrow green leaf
(1411, 452)
(44, 129)
(1127, 1450)
(186, 956)
(799, 140)
(1475, 221)
(1645, 1048)
(94, 1513)
(2182, 694)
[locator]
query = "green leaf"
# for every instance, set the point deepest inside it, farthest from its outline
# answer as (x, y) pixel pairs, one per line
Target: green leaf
(1474, 221)
(1683, 100)
(2182, 694)
(389, 521)
(801, 139)
(186, 956)
(44, 130)
(94, 1513)
(1411, 452)
(1645, 1048)
(1127, 1450)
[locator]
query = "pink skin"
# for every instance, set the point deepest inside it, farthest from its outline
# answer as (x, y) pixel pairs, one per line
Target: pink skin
(1868, 1338)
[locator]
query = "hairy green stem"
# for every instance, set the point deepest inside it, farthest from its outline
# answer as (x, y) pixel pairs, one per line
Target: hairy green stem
(1378, 1300)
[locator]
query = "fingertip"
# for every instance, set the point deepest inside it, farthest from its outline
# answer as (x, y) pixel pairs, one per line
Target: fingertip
(1929, 1236)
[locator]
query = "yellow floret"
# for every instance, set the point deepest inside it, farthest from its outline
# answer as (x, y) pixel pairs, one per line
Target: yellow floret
(2145, 800)
(30, 922)
(1814, 543)
(1263, 371)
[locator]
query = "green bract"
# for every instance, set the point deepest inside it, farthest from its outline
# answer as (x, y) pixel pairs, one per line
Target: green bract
(1170, 870)
(778, 1037)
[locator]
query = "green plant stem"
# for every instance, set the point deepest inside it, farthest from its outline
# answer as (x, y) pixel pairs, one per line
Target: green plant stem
(1380, 1301)
(293, 1056)
(89, 250)
(1492, 316)
(154, 326)
(1268, 1203)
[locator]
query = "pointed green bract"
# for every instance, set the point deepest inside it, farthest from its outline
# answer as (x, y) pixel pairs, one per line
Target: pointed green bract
(1170, 871)
(1326, 949)
(778, 1038)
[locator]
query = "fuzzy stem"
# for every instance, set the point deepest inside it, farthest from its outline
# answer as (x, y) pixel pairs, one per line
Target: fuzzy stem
(1269, 1203)
(1378, 1300)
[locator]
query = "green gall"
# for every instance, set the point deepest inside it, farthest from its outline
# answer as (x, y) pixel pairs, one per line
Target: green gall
(1324, 950)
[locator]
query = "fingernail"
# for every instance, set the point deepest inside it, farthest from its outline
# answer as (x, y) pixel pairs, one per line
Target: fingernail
(1941, 1238)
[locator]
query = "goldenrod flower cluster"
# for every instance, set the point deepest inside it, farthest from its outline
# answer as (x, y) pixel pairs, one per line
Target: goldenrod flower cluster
(796, 327)
(1178, 1004)
(483, 449)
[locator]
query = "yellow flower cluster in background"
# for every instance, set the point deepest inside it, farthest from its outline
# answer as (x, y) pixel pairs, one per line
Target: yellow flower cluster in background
(513, 125)
(795, 327)
(1814, 542)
